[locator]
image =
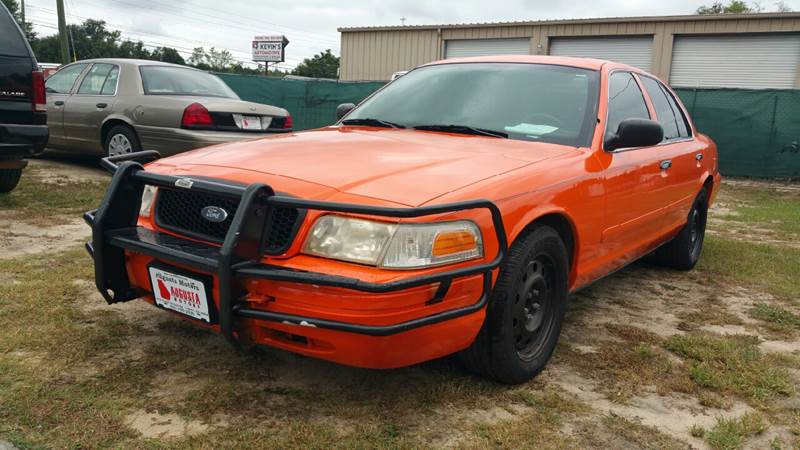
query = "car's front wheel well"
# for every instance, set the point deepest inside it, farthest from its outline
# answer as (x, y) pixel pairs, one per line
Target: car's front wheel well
(109, 125)
(563, 227)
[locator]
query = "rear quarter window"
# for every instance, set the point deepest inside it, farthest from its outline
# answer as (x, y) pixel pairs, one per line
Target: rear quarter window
(12, 41)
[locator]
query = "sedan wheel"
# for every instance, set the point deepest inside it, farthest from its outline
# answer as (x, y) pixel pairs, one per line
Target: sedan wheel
(119, 145)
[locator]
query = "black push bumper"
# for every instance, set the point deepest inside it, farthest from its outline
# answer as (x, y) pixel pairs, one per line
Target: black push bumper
(114, 230)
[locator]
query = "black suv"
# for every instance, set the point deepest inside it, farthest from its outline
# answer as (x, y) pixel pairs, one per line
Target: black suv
(23, 109)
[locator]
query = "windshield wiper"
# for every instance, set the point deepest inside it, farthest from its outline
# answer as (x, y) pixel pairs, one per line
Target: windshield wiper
(462, 129)
(372, 122)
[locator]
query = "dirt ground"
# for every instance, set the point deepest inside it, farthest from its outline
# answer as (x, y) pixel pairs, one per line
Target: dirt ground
(648, 358)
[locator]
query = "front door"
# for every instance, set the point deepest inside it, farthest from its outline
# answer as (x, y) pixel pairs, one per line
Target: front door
(636, 179)
(59, 87)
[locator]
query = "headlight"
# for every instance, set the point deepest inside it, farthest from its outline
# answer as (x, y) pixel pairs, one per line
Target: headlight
(147, 200)
(394, 246)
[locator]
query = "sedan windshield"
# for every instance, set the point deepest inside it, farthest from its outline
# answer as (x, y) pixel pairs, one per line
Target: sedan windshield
(535, 102)
(167, 80)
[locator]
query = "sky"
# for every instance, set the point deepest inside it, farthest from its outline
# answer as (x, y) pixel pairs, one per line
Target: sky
(310, 25)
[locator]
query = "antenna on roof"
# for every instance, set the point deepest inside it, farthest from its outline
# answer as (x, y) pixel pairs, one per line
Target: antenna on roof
(403, 21)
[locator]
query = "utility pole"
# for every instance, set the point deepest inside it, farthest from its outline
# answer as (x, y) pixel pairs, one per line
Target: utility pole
(23, 14)
(62, 32)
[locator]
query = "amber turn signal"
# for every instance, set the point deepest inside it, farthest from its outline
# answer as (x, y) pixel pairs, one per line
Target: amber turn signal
(453, 242)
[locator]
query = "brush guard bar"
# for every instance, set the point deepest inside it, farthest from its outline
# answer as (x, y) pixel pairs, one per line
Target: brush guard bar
(114, 230)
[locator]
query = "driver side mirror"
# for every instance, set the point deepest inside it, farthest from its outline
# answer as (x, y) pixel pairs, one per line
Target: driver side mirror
(343, 109)
(635, 133)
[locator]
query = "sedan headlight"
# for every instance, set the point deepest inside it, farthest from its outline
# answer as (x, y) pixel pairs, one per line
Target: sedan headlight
(148, 195)
(394, 246)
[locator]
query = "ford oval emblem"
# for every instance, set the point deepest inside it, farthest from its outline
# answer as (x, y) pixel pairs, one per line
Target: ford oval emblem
(214, 214)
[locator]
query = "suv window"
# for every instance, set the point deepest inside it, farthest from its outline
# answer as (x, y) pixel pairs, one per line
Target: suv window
(625, 101)
(94, 83)
(664, 111)
(62, 81)
(12, 42)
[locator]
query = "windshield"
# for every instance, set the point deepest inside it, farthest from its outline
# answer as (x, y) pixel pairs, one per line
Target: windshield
(167, 80)
(535, 102)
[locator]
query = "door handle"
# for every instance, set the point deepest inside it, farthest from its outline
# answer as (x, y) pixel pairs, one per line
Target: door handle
(698, 156)
(58, 103)
(666, 164)
(101, 105)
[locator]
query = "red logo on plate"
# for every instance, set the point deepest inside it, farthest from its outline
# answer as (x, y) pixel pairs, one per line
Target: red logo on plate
(162, 289)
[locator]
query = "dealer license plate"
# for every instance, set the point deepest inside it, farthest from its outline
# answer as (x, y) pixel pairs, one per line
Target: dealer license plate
(247, 122)
(180, 293)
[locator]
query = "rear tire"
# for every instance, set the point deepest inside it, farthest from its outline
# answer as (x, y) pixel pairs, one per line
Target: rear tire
(525, 312)
(683, 251)
(121, 139)
(9, 178)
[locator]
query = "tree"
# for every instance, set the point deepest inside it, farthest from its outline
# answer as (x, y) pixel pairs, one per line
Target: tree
(733, 7)
(323, 65)
(167, 54)
(781, 6)
(16, 13)
(212, 59)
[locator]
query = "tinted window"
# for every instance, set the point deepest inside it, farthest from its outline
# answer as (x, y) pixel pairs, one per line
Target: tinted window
(62, 81)
(664, 111)
(534, 102)
(12, 41)
(167, 80)
(683, 125)
(625, 101)
(95, 79)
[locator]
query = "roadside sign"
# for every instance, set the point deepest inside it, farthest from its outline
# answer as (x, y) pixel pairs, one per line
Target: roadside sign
(269, 48)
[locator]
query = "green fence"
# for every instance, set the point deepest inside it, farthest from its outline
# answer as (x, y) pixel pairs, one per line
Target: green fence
(312, 103)
(757, 131)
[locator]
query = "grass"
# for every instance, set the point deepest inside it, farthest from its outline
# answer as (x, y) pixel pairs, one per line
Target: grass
(777, 318)
(732, 365)
(766, 208)
(40, 203)
(730, 434)
(763, 266)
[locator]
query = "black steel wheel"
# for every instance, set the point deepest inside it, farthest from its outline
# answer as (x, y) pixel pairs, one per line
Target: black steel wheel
(9, 178)
(525, 312)
(683, 251)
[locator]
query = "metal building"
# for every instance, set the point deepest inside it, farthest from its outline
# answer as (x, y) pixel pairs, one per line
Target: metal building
(725, 50)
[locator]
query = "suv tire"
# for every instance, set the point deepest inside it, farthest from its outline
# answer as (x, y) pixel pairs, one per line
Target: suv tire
(9, 178)
(526, 310)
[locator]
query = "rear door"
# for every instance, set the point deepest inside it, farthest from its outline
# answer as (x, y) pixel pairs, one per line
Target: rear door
(636, 183)
(58, 89)
(91, 103)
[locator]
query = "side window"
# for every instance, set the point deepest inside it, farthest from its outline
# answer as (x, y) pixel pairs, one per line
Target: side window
(62, 81)
(110, 86)
(95, 79)
(664, 112)
(625, 101)
(683, 125)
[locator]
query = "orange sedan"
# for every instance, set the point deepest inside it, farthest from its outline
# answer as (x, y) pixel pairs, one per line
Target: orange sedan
(453, 211)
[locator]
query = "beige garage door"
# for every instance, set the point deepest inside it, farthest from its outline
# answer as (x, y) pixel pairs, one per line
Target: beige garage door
(636, 51)
(461, 48)
(744, 61)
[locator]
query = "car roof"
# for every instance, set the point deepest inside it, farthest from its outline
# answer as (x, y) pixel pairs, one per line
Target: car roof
(133, 62)
(583, 63)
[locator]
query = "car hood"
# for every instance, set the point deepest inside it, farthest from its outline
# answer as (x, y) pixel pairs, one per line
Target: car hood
(406, 167)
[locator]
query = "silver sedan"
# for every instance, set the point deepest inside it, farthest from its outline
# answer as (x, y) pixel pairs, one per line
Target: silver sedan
(114, 106)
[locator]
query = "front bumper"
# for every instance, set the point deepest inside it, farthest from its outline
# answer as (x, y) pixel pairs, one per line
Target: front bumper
(115, 231)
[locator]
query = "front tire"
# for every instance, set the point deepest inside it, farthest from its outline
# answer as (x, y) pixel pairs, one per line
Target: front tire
(683, 251)
(525, 312)
(9, 179)
(121, 139)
